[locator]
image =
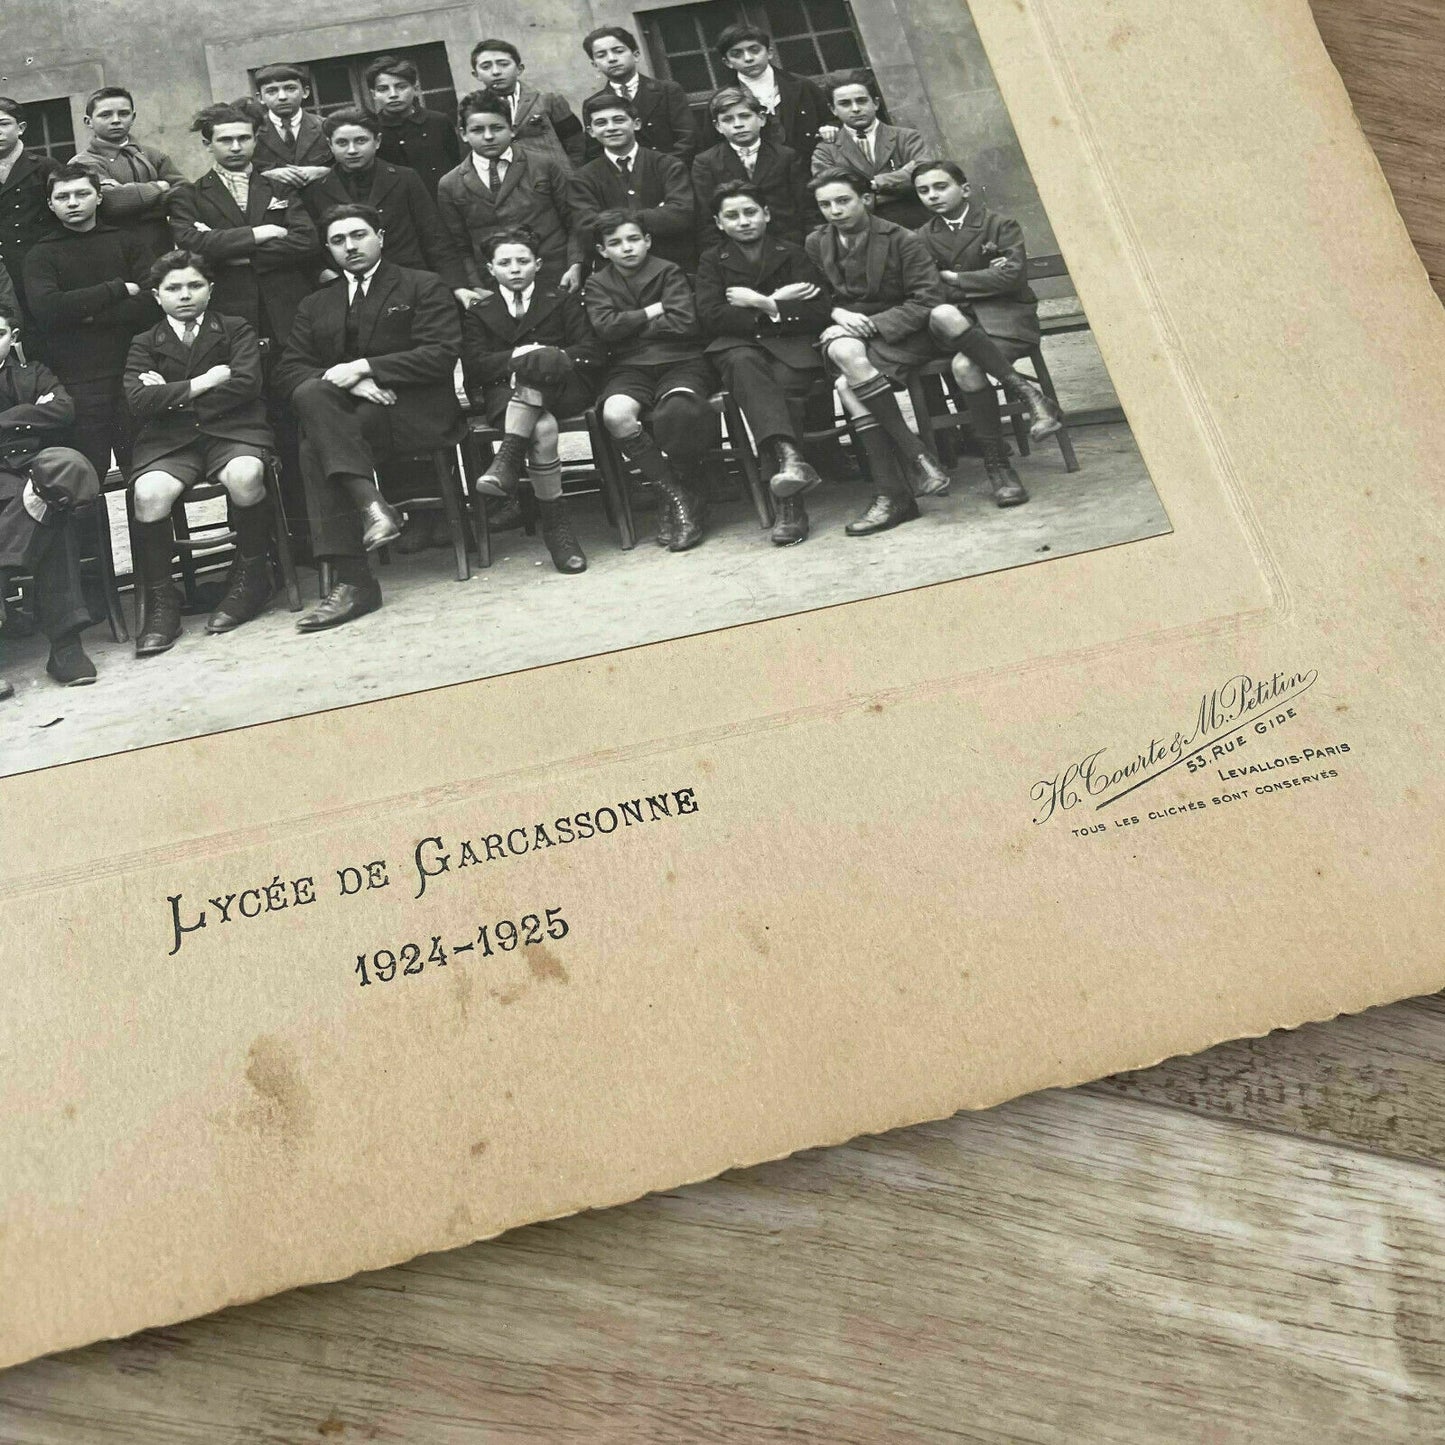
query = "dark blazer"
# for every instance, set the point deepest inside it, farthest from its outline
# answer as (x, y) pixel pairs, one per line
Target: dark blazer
(897, 150)
(661, 191)
(534, 193)
(665, 119)
(616, 306)
(1000, 298)
(167, 417)
(24, 214)
(902, 283)
(410, 333)
(545, 125)
(261, 282)
(555, 318)
(802, 109)
(309, 149)
(793, 337)
(415, 237)
(426, 142)
(779, 173)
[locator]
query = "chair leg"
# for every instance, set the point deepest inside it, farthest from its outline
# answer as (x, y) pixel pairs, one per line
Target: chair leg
(527, 501)
(284, 560)
(447, 488)
(1066, 442)
(476, 505)
(614, 479)
(922, 415)
(182, 526)
(747, 458)
(105, 560)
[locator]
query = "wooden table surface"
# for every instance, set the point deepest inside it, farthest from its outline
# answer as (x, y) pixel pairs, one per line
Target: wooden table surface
(1247, 1245)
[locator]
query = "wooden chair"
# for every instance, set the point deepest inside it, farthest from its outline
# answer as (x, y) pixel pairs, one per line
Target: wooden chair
(97, 513)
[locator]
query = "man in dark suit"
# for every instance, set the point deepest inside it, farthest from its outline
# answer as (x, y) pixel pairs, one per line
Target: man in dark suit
(990, 317)
(290, 147)
(368, 370)
(664, 119)
(423, 140)
(41, 482)
(25, 213)
(629, 177)
(796, 107)
(500, 187)
(887, 154)
(193, 383)
(530, 357)
(764, 304)
(748, 153)
(415, 236)
(884, 286)
(256, 234)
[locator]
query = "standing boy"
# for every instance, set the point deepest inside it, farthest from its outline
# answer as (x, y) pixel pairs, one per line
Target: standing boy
(990, 318)
(887, 154)
(193, 382)
(501, 187)
(629, 177)
(643, 308)
(664, 118)
(86, 283)
(290, 147)
(764, 304)
(884, 286)
(135, 180)
(41, 483)
(748, 152)
(415, 236)
(530, 353)
(25, 213)
(411, 135)
(542, 120)
(795, 105)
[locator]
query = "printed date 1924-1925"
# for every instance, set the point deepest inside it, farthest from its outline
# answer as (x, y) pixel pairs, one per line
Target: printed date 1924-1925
(503, 936)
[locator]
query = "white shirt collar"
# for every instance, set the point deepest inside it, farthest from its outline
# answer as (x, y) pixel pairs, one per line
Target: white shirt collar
(281, 122)
(631, 156)
(627, 87)
(748, 150)
(353, 281)
(525, 296)
(480, 162)
(765, 86)
(958, 224)
(179, 327)
(871, 134)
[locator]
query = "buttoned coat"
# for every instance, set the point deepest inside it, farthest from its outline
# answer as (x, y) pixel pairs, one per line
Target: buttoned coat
(902, 283)
(999, 297)
(25, 215)
(661, 192)
(778, 173)
(793, 337)
(617, 308)
(490, 333)
(664, 118)
(310, 148)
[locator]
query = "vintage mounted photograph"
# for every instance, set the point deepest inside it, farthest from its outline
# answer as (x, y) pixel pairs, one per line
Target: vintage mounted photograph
(348, 359)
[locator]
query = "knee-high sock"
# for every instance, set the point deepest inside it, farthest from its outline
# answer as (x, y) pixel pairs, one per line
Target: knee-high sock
(643, 453)
(521, 417)
(878, 397)
(546, 479)
(881, 454)
(983, 414)
(982, 349)
(154, 547)
(253, 528)
(684, 425)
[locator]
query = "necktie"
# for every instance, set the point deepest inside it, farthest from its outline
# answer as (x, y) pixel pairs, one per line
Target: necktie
(288, 133)
(750, 160)
(624, 169)
(494, 174)
(188, 334)
(353, 318)
(867, 143)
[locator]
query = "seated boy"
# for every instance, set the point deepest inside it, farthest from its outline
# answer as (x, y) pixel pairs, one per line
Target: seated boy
(991, 316)
(749, 153)
(764, 303)
(884, 286)
(193, 384)
(643, 308)
(530, 357)
(887, 154)
(40, 483)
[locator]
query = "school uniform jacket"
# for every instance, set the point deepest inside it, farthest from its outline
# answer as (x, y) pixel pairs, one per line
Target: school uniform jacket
(792, 338)
(543, 124)
(167, 417)
(664, 119)
(24, 214)
(777, 171)
(490, 333)
(534, 193)
(425, 141)
(261, 282)
(897, 151)
(310, 148)
(802, 111)
(410, 333)
(902, 283)
(1000, 298)
(660, 191)
(415, 237)
(616, 304)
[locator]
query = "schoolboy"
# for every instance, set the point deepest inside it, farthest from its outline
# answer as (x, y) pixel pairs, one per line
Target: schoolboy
(643, 309)
(290, 146)
(25, 213)
(629, 177)
(411, 135)
(531, 357)
(664, 117)
(748, 152)
(542, 120)
(764, 305)
(887, 154)
(194, 386)
(795, 105)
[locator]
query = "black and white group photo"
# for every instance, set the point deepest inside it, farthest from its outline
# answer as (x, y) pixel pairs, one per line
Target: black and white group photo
(343, 361)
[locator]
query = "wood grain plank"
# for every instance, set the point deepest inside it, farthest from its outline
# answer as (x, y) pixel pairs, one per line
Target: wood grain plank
(1065, 1268)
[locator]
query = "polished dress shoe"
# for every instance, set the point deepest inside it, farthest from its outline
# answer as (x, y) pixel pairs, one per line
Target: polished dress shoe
(794, 475)
(68, 663)
(383, 525)
(503, 476)
(791, 525)
(688, 513)
(1003, 481)
(344, 602)
(251, 588)
(888, 509)
(566, 550)
(929, 477)
(160, 622)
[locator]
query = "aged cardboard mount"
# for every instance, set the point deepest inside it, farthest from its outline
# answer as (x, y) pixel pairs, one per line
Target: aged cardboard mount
(846, 871)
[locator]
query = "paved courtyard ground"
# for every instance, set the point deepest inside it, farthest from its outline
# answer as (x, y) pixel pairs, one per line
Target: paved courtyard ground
(521, 613)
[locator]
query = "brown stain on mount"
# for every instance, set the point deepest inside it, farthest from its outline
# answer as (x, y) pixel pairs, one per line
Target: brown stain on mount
(545, 965)
(282, 1102)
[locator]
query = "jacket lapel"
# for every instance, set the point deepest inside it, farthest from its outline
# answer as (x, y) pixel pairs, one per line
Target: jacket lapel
(877, 260)
(24, 165)
(544, 303)
(169, 345)
(526, 103)
(383, 285)
(213, 188)
(649, 92)
(307, 130)
(494, 313)
(209, 340)
(515, 174)
(383, 182)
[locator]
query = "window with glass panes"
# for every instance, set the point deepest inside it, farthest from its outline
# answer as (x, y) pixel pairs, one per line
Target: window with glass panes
(49, 129)
(810, 37)
(337, 80)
